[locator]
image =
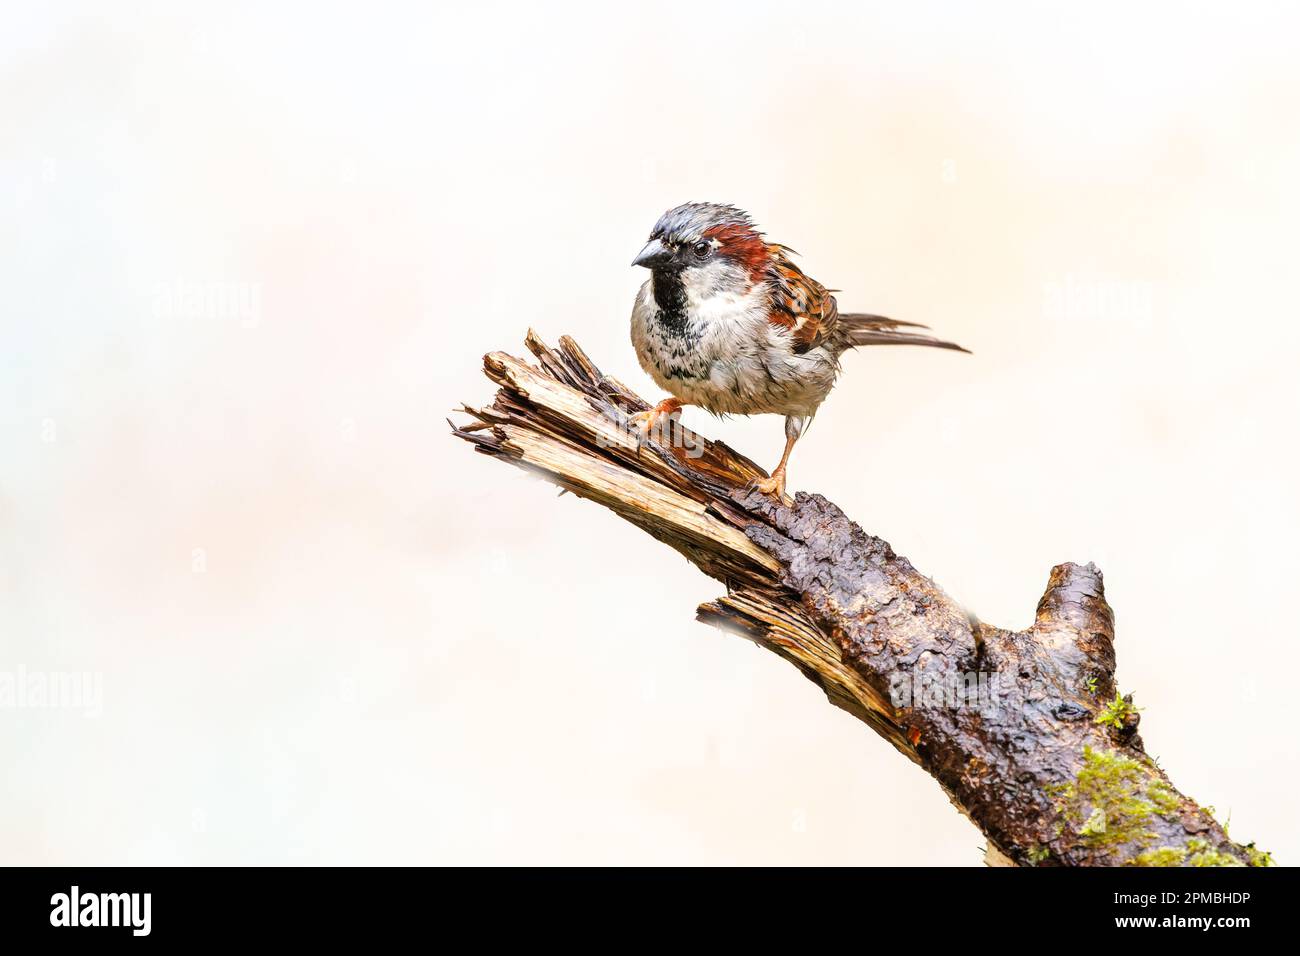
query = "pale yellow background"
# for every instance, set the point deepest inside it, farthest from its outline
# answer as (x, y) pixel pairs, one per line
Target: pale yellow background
(328, 632)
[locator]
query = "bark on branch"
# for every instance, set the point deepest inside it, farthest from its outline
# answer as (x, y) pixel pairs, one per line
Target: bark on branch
(1025, 730)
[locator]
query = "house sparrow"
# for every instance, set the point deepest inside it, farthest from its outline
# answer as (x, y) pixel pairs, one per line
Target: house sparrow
(728, 322)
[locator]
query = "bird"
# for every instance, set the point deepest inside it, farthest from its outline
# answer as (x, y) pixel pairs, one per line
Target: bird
(728, 322)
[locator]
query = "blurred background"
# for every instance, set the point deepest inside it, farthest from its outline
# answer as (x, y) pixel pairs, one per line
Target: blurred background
(252, 257)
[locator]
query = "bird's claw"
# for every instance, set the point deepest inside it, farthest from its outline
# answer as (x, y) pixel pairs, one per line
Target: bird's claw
(644, 423)
(773, 487)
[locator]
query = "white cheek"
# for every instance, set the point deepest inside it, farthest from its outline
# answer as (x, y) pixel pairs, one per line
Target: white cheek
(715, 279)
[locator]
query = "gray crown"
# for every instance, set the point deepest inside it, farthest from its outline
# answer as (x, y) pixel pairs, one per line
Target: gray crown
(686, 222)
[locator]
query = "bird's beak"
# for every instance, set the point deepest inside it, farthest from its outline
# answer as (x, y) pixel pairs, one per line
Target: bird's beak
(655, 253)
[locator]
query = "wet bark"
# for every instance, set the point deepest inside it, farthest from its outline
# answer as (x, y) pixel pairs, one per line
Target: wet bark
(1025, 730)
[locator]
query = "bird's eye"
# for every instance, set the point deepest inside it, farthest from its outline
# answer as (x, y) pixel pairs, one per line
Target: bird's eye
(703, 249)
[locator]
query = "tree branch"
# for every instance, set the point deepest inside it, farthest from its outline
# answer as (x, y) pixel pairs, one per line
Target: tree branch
(1025, 730)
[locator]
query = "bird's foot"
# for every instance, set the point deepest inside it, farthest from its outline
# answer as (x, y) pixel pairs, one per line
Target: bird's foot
(775, 487)
(646, 422)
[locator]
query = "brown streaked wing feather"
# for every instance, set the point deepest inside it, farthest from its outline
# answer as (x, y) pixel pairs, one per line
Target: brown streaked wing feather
(800, 303)
(809, 310)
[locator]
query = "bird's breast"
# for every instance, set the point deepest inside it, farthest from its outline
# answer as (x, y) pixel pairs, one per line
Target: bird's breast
(723, 354)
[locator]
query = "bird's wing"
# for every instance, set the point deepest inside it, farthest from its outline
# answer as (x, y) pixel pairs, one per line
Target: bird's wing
(809, 310)
(800, 303)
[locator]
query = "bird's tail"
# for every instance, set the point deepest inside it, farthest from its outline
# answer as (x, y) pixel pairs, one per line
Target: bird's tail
(860, 329)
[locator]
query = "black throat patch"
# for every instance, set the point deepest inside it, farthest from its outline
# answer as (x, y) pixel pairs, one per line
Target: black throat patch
(670, 296)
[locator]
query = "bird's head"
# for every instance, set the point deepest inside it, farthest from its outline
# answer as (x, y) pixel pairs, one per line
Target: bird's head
(708, 246)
